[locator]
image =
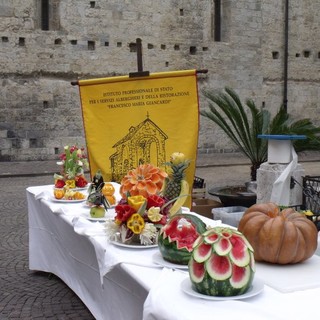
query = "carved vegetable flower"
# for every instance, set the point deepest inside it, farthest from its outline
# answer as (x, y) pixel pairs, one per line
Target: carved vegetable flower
(72, 162)
(154, 214)
(145, 180)
(136, 202)
(135, 223)
(123, 213)
(71, 183)
(155, 201)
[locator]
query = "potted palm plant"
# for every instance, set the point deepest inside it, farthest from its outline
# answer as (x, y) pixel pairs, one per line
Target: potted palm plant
(242, 123)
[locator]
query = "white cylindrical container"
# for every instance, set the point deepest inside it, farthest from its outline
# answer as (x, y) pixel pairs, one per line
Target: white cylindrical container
(279, 151)
(280, 147)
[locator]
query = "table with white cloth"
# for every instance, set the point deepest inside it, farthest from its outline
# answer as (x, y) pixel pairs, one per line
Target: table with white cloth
(118, 282)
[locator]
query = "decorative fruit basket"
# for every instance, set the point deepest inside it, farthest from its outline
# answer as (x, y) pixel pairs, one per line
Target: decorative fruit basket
(72, 163)
(176, 238)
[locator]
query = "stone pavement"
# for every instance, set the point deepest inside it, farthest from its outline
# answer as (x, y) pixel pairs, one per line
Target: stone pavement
(25, 294)
(31, 295)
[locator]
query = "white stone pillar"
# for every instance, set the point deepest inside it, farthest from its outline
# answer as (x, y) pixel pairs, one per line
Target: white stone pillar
(268, 173)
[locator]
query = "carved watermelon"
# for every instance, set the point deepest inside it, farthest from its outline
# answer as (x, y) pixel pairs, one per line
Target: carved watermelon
(176, 238)
(222, 263)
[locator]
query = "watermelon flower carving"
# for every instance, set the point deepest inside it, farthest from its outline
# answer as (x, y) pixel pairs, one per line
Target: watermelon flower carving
(222, 263)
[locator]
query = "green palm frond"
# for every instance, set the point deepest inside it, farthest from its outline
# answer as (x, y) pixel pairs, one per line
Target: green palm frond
(243, 124)
(283, 124)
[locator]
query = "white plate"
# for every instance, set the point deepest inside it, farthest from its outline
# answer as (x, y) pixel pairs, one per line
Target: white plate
(75, 189)
(66, 201)
(86, 205)
(133, 246)
(158, 259)
(255, 289)
(79, 189)
(97, 219)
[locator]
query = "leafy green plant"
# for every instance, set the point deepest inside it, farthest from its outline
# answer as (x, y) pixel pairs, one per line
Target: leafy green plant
(244, 122)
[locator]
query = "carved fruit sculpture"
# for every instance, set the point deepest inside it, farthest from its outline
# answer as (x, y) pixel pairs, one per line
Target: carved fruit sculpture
(108, 191)
(145, 180)
(175, 185)
(176, 238)
(222, 263)
(58, 193)
(280, 237)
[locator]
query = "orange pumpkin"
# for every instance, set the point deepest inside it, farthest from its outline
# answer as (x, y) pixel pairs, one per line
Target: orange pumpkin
(280, 237)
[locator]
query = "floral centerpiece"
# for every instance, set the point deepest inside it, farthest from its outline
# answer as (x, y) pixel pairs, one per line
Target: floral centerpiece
(138, 220)
(146, 203)
(72, 162)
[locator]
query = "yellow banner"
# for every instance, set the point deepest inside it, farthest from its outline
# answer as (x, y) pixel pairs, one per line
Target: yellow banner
(129, 121)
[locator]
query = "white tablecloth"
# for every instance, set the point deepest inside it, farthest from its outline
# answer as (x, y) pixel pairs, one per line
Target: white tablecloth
(120, 283)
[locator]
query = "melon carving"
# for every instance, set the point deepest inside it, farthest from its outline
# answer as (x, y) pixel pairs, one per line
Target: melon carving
(222, 263)
(176, 238)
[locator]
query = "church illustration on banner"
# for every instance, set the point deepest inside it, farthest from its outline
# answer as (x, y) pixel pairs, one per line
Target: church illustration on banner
(144, 143)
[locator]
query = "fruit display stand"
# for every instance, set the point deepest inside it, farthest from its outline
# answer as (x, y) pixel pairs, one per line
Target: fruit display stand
(117, 282)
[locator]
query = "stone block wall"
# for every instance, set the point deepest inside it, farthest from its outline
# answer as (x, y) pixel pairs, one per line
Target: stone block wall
(40, 110)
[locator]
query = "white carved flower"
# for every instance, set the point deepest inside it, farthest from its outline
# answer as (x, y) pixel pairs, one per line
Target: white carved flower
(149, 234)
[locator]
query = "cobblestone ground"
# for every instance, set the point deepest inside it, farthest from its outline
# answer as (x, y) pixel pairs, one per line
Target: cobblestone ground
(26, 294)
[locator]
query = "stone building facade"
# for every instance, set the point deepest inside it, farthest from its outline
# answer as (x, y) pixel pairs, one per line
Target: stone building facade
(45, 44)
